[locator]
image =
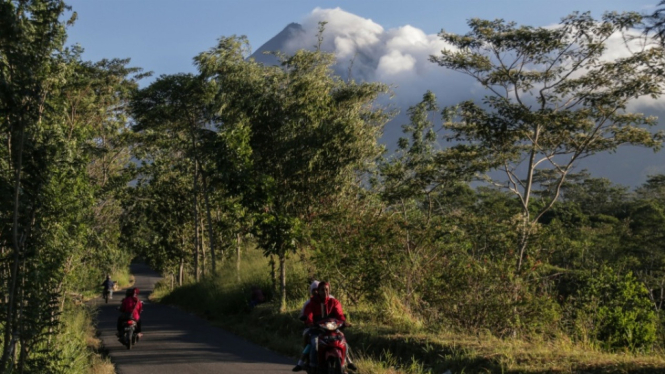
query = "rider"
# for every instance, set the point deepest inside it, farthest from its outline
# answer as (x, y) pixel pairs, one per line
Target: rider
(108, 286)
(131, 308)
(313, 290)
(322, 306)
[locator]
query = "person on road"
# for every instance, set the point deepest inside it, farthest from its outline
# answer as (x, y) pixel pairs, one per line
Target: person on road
(108, 286)
(130, 308)
(322, 306)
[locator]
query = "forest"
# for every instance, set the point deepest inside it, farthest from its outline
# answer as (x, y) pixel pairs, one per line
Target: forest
(478, 220)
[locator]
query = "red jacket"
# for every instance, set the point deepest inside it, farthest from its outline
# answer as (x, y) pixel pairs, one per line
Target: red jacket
(128, 304)
(318, 309)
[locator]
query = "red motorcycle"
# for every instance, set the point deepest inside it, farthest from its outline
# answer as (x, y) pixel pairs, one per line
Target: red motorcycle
(330, 348)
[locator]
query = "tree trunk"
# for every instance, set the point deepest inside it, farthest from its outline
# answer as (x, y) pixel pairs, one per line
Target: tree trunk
(282, 282)
(9, 342)
(196, 220)
(221, 240)
(180, 271)
(524, 241)
(238, 241)
(211, 240)
(203, 248)
(273, 274)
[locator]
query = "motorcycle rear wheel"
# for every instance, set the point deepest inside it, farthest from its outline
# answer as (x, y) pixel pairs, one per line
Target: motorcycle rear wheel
(128, 338)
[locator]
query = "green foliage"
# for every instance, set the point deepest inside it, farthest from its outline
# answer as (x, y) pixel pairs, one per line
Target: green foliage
(295, 137)
(62, 160)
(615, 311)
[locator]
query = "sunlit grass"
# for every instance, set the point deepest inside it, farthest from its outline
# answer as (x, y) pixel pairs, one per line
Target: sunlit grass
(123, 278)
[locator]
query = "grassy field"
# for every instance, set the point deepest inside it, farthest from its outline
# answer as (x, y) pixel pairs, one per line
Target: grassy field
(394, 343)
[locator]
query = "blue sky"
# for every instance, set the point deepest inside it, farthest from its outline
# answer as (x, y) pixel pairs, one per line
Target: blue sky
(163, 35)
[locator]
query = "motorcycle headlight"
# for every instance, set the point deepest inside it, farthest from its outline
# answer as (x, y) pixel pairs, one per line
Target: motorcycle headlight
(330, 326)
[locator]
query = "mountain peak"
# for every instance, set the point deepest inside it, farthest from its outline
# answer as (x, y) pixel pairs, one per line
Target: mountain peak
(277, 43)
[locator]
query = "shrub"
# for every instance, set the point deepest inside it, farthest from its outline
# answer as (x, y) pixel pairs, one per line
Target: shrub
(477, 296)
(614, 310)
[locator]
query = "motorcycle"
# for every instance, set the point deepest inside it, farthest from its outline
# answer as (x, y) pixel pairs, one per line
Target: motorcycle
(330, 348)
(129, 336)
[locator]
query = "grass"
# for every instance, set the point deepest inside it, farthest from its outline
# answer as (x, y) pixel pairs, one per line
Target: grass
(397, 342)
(78, 349)
(123, 278)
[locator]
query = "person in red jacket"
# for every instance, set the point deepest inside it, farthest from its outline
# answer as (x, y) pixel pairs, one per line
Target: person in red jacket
(322, 306)
(131, 307)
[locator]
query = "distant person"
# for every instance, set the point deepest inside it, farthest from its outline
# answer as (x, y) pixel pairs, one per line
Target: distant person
(256, 297)
(108, 286)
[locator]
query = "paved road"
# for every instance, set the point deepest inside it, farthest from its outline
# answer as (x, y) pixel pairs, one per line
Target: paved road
(177, 342)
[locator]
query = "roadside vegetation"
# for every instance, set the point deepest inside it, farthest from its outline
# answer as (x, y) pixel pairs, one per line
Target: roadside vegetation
(384, 336)
(477, 245)
(62, 177)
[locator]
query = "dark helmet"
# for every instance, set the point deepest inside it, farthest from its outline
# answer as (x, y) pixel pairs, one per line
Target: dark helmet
(129, 292)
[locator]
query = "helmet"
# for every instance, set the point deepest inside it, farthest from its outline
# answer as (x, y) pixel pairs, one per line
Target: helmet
(129, 292)
(313, 286)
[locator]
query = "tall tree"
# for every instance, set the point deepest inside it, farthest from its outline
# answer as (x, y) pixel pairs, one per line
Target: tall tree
(302, 131)
(554, 98)
(174, 108)
(30, 33)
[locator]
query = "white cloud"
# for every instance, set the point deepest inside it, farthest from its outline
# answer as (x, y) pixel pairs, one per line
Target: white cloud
(394, 63)
(400, 57)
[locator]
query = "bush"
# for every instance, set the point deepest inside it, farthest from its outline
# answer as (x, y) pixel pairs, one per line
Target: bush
(473, 295)
(614, 310)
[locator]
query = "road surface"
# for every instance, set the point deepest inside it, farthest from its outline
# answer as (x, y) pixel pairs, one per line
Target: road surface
(178, 342)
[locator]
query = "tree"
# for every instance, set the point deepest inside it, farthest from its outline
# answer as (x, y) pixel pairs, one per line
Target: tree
(60, 161)
(172, 111)
(301, 134)
(30, 32)
(554, 99)
(654, 24)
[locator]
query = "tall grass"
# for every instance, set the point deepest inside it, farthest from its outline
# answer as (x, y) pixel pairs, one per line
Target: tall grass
(74, 348)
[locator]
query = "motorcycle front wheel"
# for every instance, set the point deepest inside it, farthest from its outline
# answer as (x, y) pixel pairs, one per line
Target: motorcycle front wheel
(334, 366)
